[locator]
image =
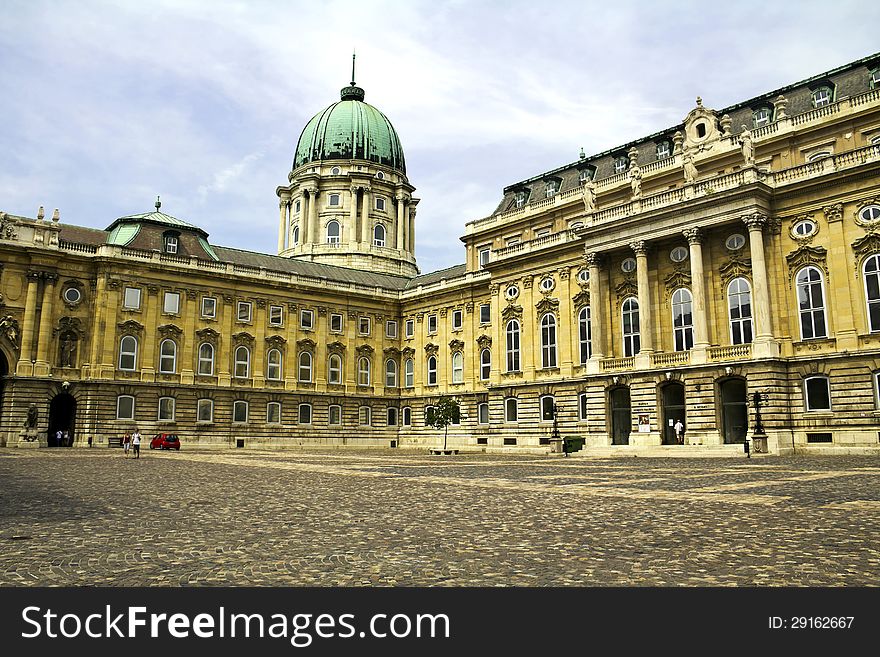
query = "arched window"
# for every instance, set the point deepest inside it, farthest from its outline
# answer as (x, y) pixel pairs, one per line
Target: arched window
(739, 304)
(512, 332)
(333, 232)
(305, 367)
(273, 369)
(811, 303)
(872, 291)
(457, 367)
(363, 371)
(379, 235)
(683, 319)
(334, 373)
(128, 348)
(242, 368)
(631, 336)
(485, 364)
(409, 373)
(206, 359)
(390, 373)
(432, 370)
(585, 334)
(168, 357)
(548, 341)
(295, 235)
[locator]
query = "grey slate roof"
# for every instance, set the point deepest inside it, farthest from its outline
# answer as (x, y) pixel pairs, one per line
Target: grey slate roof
(436, 276)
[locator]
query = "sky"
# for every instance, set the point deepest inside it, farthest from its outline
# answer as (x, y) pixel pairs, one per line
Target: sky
(105, 105)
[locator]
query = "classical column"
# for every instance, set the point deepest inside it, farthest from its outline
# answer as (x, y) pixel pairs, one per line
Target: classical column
(411, 241)
(314, 229)
(646, 321)
(401, 214)
(25, 367)
(353, 218)
(42, 366)
(108, 356)
(698, 289)
(763, 344)
(282, 226)
(98, 332)
(365, 217)
(304, 217)
(597, 314)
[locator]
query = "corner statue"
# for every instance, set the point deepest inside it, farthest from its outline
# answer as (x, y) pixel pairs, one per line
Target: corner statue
(33, 414)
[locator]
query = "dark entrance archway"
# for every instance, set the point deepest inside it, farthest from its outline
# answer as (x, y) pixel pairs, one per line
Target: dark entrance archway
(621, 416)
(673, 410)
(62, 417)
(734, 411)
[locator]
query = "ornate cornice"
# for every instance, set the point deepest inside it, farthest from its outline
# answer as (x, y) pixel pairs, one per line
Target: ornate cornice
(131, 326)
(364, 350)
(407, 352)
(72, 324)
(170, 330)
(242, 337)
(627, 288)
(456, 345)
(484, 341)
(511, 312)
(805, 256)
(868, 244)
(391, 351)
(547, 305)
(306, 344)
(336, 347)
(736, 267)
(677, 279)
(208, 334)
(580, 300)
(276, 341)
(431, 349)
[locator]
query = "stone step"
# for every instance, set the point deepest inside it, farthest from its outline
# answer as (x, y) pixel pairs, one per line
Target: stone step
(663, 451)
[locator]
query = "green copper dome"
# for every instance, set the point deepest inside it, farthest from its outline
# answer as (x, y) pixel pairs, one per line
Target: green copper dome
(350, 130)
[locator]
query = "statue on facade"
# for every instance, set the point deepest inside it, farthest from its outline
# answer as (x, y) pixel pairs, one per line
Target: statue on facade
(589, 191)
(748, 149)
(68, 350)
(690, 170)
(30, 422)
(635, 180)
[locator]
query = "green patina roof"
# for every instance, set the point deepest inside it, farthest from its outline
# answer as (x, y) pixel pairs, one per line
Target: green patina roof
(350, 129)
(122, 234)
(155, 217)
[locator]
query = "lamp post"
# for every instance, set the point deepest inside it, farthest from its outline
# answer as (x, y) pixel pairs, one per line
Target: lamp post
(759, 435)
(555, 434)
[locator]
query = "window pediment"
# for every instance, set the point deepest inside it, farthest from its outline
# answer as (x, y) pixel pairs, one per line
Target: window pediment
(276, 341)
(804, 256)
(208, 335)
(131, 326)
(484, 341)
(170, 331)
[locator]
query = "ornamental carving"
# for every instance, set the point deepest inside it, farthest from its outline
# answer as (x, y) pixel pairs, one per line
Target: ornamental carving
(192, 294)
(579, 300)
(677, 279)
(322, 310)
(336, 347)
(73, 324)
(469, 307)
(527, 282)
(9, 328)
(736, 267)
(67, 348)
(292, 308)
(170, 331)
(756, 220)
(208, 335)
(627, 288)
(70, 283)
(152, 290)
(564, 274)
(511, 312)
(456, 345)
(639, 247)
(408, 352)
(130, 326)
(420, 317)
(866, 245)
(261, 303)
(276, 341)
(484, 341)
(693, 235)
(353, 315)
(391, 351)
(431, 349)
(242, 337)
(593, 259)
(7, 228)
(494, 288)
(804, 257)
(443, 312)
(364, 350)
(834, 213)
(547, 305)
(306, 344)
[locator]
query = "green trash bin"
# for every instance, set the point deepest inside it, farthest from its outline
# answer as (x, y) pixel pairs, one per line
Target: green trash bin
(572, 444)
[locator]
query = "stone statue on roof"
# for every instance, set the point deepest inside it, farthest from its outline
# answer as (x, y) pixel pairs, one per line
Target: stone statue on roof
(690, 170)
(635, 180)
(589, 192)
(748, 149)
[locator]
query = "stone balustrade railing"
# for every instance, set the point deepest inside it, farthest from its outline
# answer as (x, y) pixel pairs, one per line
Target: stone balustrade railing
(734, 352)
(674, 358)
(616, 364)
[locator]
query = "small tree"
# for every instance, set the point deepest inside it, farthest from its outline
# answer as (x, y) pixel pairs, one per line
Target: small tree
(446, 411)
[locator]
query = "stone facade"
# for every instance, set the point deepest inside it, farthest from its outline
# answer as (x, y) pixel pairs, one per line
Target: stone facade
(730, 255)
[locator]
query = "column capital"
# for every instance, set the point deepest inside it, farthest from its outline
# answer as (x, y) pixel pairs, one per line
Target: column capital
(312, 191)
(401, 197)
(693, 235)
(640, 247)
(755, 221)
(50, 277)
(593, 259)
(354, 189)
(34, 275)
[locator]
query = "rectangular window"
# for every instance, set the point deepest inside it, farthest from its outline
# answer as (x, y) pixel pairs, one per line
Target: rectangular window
(391, 329)
(125, 407)
(335, 323)
(209, 307)
(171, 304)
(432, 324)
(244, 311)
(240, 412)
(548, 405)
(817, 393)
(307, 320)
(364, 325)
(483, 413)
(132, 299)
(170, 244)
(582, 406)
(511, 410)
(334, 415)
(334, 199)
(410, 328)
(305, 413)
(205, 410)
(365, 416)
(485, 313)
(407, 416)
(273, 413)
(380, 204)
(484, 257)
(276, 315)
(392, 416)
(457, 320)
(166, 409)
(823, 437)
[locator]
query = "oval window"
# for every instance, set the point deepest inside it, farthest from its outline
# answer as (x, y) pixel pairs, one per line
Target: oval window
(583, 276)
(804, 228)
(678, 254)
(870, 213)
(380, 175)
(735, 242)
(547, 284)
(512, 292)
(628, 265)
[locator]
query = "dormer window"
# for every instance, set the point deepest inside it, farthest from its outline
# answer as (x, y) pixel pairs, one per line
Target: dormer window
(762, 116)
(621, 164)
(587, 173)
(169, 243)
(664, 150)
(875, 78)
(520, 199)
(822, 96)
(550, 188)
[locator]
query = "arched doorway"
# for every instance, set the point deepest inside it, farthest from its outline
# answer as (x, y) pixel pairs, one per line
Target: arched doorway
(621, 416)
(62, 417)
(734, 411)
(673, 410)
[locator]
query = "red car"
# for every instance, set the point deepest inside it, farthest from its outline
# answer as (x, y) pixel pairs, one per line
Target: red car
(165, 441)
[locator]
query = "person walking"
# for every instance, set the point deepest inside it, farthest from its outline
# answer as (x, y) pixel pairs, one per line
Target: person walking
(65, 437)
(679, 432)
(136, 443)
(58, 439)
(126, 443)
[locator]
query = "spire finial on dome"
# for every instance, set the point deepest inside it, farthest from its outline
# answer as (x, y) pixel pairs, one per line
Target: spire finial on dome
(158, 204)
(353, 55)
(352, 91)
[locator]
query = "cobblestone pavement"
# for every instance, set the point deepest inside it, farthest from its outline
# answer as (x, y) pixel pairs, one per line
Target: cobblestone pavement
(91, 517)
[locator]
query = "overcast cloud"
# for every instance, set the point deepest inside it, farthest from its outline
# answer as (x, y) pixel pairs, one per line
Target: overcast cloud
(107, 104)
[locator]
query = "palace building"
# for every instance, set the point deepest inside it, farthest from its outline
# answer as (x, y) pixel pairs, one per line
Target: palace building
(724, 273)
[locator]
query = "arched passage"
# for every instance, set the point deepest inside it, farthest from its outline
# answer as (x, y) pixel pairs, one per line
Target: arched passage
(62, 417)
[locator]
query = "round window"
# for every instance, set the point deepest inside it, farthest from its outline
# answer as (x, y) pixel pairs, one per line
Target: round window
(547, 284)
(380, 175)
(804, 228)
(335, 171)
(628, 265)
(512, 292)
(584, 276)
(735, 242)
(678, 254)
(870, 213)
(72, 295)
